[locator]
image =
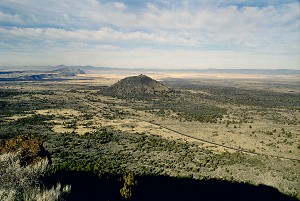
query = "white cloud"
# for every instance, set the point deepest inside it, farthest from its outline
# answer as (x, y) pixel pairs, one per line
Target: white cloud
(7, 18)
(95, 36)
(119, 6)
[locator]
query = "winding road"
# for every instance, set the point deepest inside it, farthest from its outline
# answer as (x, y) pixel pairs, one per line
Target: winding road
(198, 139)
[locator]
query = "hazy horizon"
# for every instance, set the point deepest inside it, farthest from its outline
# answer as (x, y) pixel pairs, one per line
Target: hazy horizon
(235, 34)
(90, 68)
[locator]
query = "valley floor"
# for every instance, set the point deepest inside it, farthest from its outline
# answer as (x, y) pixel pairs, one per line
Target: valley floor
(243, 130)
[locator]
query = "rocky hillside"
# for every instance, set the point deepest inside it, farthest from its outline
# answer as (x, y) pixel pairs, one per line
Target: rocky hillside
(140, 87)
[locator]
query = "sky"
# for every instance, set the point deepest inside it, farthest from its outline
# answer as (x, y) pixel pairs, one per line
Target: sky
(173, 34)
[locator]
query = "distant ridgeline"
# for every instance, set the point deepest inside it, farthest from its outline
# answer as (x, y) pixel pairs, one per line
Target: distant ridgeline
(140, 87)
(61, 73)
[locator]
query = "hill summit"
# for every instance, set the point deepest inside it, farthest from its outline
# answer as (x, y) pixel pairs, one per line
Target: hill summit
(140, 87)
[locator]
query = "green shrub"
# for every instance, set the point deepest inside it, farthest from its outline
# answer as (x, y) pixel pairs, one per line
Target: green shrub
(129, 182)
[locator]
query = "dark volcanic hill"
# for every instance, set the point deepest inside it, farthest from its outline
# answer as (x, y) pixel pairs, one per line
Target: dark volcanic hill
(140, 87)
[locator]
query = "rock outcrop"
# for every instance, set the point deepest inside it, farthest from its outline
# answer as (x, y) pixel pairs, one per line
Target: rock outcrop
(30, 148)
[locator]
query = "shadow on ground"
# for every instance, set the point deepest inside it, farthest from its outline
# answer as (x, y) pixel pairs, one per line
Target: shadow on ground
(87, 186)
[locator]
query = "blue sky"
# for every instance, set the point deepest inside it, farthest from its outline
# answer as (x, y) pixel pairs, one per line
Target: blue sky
(151, 34)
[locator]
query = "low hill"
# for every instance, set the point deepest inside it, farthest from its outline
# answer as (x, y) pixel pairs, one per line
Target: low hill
(68, 71)
(140, 87)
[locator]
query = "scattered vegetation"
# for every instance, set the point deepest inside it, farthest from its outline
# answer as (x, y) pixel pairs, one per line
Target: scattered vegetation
(22, 182)
(87, 140)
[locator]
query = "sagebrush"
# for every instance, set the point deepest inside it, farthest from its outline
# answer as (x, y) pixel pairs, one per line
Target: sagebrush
(22, 182)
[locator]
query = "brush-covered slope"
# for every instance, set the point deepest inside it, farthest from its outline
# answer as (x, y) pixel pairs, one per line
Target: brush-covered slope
(139, 87)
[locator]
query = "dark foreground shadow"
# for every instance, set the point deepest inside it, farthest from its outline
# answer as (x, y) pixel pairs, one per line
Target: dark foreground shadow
(87, 186)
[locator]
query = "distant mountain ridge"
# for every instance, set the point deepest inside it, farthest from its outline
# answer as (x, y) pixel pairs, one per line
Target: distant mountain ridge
(60, 73)
(248, 71)
(88, 68)
(139, 87)
(68, 71)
